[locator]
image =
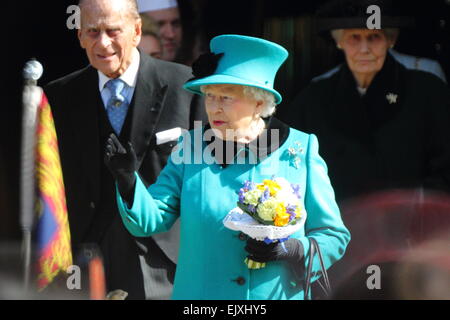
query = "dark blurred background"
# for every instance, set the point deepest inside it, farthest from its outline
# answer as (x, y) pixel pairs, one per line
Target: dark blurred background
(38, 29)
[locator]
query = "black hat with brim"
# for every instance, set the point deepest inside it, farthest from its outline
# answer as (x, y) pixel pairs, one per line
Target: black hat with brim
(352, 14)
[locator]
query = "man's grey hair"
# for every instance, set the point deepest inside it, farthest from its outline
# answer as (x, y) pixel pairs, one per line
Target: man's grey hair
(390, 33)
(256, 93)
(131, 8)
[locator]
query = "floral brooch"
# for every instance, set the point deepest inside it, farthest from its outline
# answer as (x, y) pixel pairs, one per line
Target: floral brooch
(294, 154)
(392, 97)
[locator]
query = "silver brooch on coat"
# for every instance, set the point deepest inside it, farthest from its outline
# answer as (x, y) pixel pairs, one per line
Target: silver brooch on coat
(294, 154)
(392, 97)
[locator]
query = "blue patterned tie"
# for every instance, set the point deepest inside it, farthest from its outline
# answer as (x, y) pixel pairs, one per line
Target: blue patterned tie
(117, 106)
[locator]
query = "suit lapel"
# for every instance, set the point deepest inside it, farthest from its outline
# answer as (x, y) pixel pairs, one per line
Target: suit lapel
(146, 107)
(85, 114)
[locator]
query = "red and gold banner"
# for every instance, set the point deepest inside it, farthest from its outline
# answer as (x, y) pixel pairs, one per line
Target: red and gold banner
(53, 234)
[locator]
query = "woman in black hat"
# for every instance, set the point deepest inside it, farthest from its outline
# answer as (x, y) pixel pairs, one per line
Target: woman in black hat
(381, 126)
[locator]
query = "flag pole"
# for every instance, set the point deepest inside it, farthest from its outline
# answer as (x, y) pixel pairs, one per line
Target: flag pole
(31, 98)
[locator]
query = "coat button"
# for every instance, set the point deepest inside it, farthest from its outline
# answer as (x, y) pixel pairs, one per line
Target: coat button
(242, 236)
(240, 281)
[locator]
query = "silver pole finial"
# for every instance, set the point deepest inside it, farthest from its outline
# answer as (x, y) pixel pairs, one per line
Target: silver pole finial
(33, 70)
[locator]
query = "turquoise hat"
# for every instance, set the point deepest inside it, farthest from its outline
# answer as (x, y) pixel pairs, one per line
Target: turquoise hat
(241, 60)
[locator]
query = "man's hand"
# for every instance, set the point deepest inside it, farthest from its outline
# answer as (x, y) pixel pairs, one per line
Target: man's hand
(122, 163)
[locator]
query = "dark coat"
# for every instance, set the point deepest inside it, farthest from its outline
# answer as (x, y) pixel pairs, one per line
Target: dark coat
(370, 143)
(159, 103)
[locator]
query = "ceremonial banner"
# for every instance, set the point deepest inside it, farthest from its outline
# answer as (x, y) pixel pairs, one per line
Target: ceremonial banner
(52, 229)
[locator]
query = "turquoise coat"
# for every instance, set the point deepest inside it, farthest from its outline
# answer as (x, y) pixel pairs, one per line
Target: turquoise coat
(211, 257)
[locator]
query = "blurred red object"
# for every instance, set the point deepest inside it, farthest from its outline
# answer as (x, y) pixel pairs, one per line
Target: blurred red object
(97, 279)
(386, 226)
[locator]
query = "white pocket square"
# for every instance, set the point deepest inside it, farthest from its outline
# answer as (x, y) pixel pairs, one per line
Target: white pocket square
(168, 135)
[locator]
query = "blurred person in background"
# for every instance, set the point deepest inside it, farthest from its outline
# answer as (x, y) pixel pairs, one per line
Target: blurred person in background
(401, 249)
(182, 39)
(150, 42)
(166, 14)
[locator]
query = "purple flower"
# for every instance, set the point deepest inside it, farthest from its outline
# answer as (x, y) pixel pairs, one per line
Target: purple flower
(251, 208)
(241, 195)
(248, 185)
(264, 196)
(296, 188)
(291, 210)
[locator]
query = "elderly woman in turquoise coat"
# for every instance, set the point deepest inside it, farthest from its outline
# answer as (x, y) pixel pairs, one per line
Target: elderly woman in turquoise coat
(200, 183)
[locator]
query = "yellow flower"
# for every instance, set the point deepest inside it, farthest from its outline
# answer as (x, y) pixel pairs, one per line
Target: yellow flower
(280, 208)
(273, 186)
(282, 219)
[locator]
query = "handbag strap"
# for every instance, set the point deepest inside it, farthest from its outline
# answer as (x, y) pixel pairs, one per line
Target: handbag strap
(313, 249)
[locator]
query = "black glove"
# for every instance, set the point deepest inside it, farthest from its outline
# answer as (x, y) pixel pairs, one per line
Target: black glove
(122, 163)
(262, 252)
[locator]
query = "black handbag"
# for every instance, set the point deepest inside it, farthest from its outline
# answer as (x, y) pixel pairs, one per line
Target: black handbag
(313, 249)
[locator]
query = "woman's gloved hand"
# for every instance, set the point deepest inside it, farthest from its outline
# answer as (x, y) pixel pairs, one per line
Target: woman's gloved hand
(122, 162)
(262, 252)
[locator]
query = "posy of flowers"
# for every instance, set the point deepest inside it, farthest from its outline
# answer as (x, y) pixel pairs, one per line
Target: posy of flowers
(269, 211)
(273, 202)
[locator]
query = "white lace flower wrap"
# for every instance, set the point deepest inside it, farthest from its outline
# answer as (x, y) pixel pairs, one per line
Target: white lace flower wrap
(238, 220)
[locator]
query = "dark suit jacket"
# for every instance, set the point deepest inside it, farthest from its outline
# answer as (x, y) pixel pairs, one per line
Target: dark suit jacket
(395, 136)
(144, 268)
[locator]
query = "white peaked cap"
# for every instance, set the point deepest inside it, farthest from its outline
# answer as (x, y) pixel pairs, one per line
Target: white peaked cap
(153, 5)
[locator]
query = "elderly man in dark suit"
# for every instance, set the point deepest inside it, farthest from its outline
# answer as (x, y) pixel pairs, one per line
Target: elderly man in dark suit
(136, 97)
